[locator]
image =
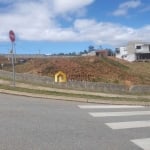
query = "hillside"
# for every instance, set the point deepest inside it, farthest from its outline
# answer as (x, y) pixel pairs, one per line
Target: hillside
(87, 68)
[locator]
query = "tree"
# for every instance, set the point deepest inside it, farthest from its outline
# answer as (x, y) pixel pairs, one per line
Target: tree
(85, 52)
(91, 48)
(110, 52)
(61, 54)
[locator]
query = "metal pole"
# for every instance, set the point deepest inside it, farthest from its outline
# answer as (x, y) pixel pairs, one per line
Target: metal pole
(13, 65)
(15, 52)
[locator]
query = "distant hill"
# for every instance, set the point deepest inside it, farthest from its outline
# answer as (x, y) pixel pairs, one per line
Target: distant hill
(95, 69)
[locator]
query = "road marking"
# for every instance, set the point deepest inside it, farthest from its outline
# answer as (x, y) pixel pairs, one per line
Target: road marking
(107, 106)
(142, 143)
(115, 114)
(128, 125)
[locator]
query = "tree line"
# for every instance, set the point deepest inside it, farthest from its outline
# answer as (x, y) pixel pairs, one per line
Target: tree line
(90, 49)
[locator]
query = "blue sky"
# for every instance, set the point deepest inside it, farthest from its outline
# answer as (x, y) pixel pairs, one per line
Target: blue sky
(63, 26)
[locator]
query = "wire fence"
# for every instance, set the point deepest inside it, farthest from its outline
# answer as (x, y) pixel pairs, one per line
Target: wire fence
(75, 85)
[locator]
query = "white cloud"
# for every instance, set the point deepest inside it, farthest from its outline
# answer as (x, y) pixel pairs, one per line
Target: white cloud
(64, 6)
(36, 20)
(31, 18)
(55, 6)
(27, 20)
(109, 33)
(146, 9)
(126, 6)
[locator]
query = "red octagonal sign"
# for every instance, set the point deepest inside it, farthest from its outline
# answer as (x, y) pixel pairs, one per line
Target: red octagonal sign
(12, 35)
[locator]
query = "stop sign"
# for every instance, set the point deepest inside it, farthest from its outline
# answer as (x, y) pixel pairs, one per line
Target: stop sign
(12, 35)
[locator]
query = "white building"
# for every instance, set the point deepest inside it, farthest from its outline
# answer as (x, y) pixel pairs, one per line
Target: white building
(134, 51)
(121, 52)
(92, 53)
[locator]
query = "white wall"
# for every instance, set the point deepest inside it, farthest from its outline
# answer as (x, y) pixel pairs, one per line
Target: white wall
(144, 48)
(129, 52)
(123, 52)
(130, 57)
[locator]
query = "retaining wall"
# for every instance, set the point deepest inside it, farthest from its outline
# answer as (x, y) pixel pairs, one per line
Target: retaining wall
(75, 85)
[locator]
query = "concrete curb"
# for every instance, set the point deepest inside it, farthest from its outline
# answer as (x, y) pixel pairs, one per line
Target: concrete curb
(37, 87)
(66, 98)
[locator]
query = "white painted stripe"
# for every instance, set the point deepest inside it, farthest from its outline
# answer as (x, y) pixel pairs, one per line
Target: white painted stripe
(142, 143)
(115, 114)
(127, 125)
(107, 106)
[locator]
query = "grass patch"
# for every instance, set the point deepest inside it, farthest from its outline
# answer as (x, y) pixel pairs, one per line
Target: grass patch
(115, 63)
(55, 93)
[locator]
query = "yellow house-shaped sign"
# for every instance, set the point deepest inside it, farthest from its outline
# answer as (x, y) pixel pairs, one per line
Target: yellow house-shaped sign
(60, 77)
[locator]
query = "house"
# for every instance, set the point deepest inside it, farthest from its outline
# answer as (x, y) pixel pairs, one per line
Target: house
(134, 51)
(102, 53)
(121, 52)
(91, 53)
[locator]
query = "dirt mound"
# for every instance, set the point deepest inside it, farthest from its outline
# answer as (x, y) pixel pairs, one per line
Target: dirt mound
(80, 68)
(95, 69)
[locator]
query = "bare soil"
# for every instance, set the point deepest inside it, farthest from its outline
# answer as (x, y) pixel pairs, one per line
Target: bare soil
(95, 69)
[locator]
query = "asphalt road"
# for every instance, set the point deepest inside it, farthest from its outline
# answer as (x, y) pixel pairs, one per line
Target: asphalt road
(42, 124)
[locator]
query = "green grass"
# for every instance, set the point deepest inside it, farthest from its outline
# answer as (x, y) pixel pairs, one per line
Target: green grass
(115, 63)
(55, 93)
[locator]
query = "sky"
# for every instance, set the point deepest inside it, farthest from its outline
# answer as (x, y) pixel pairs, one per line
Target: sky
(64, 26)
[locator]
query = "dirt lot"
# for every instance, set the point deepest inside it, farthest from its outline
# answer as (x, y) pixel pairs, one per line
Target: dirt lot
(86, 68)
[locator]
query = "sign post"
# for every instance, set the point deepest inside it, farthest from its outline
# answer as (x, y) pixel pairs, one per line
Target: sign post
(12, 38)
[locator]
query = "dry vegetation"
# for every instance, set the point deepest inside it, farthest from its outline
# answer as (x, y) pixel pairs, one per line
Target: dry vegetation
(87, 68)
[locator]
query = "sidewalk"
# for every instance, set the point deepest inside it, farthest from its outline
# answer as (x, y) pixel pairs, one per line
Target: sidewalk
(29, 86)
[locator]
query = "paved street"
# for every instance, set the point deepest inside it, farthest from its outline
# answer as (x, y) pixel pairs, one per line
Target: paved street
(129, 121)
(42, 124)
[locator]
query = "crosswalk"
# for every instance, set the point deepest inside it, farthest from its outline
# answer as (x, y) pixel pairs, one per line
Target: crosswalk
(115, 114)
(107, 106)
(142, 143)
(116, 111)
